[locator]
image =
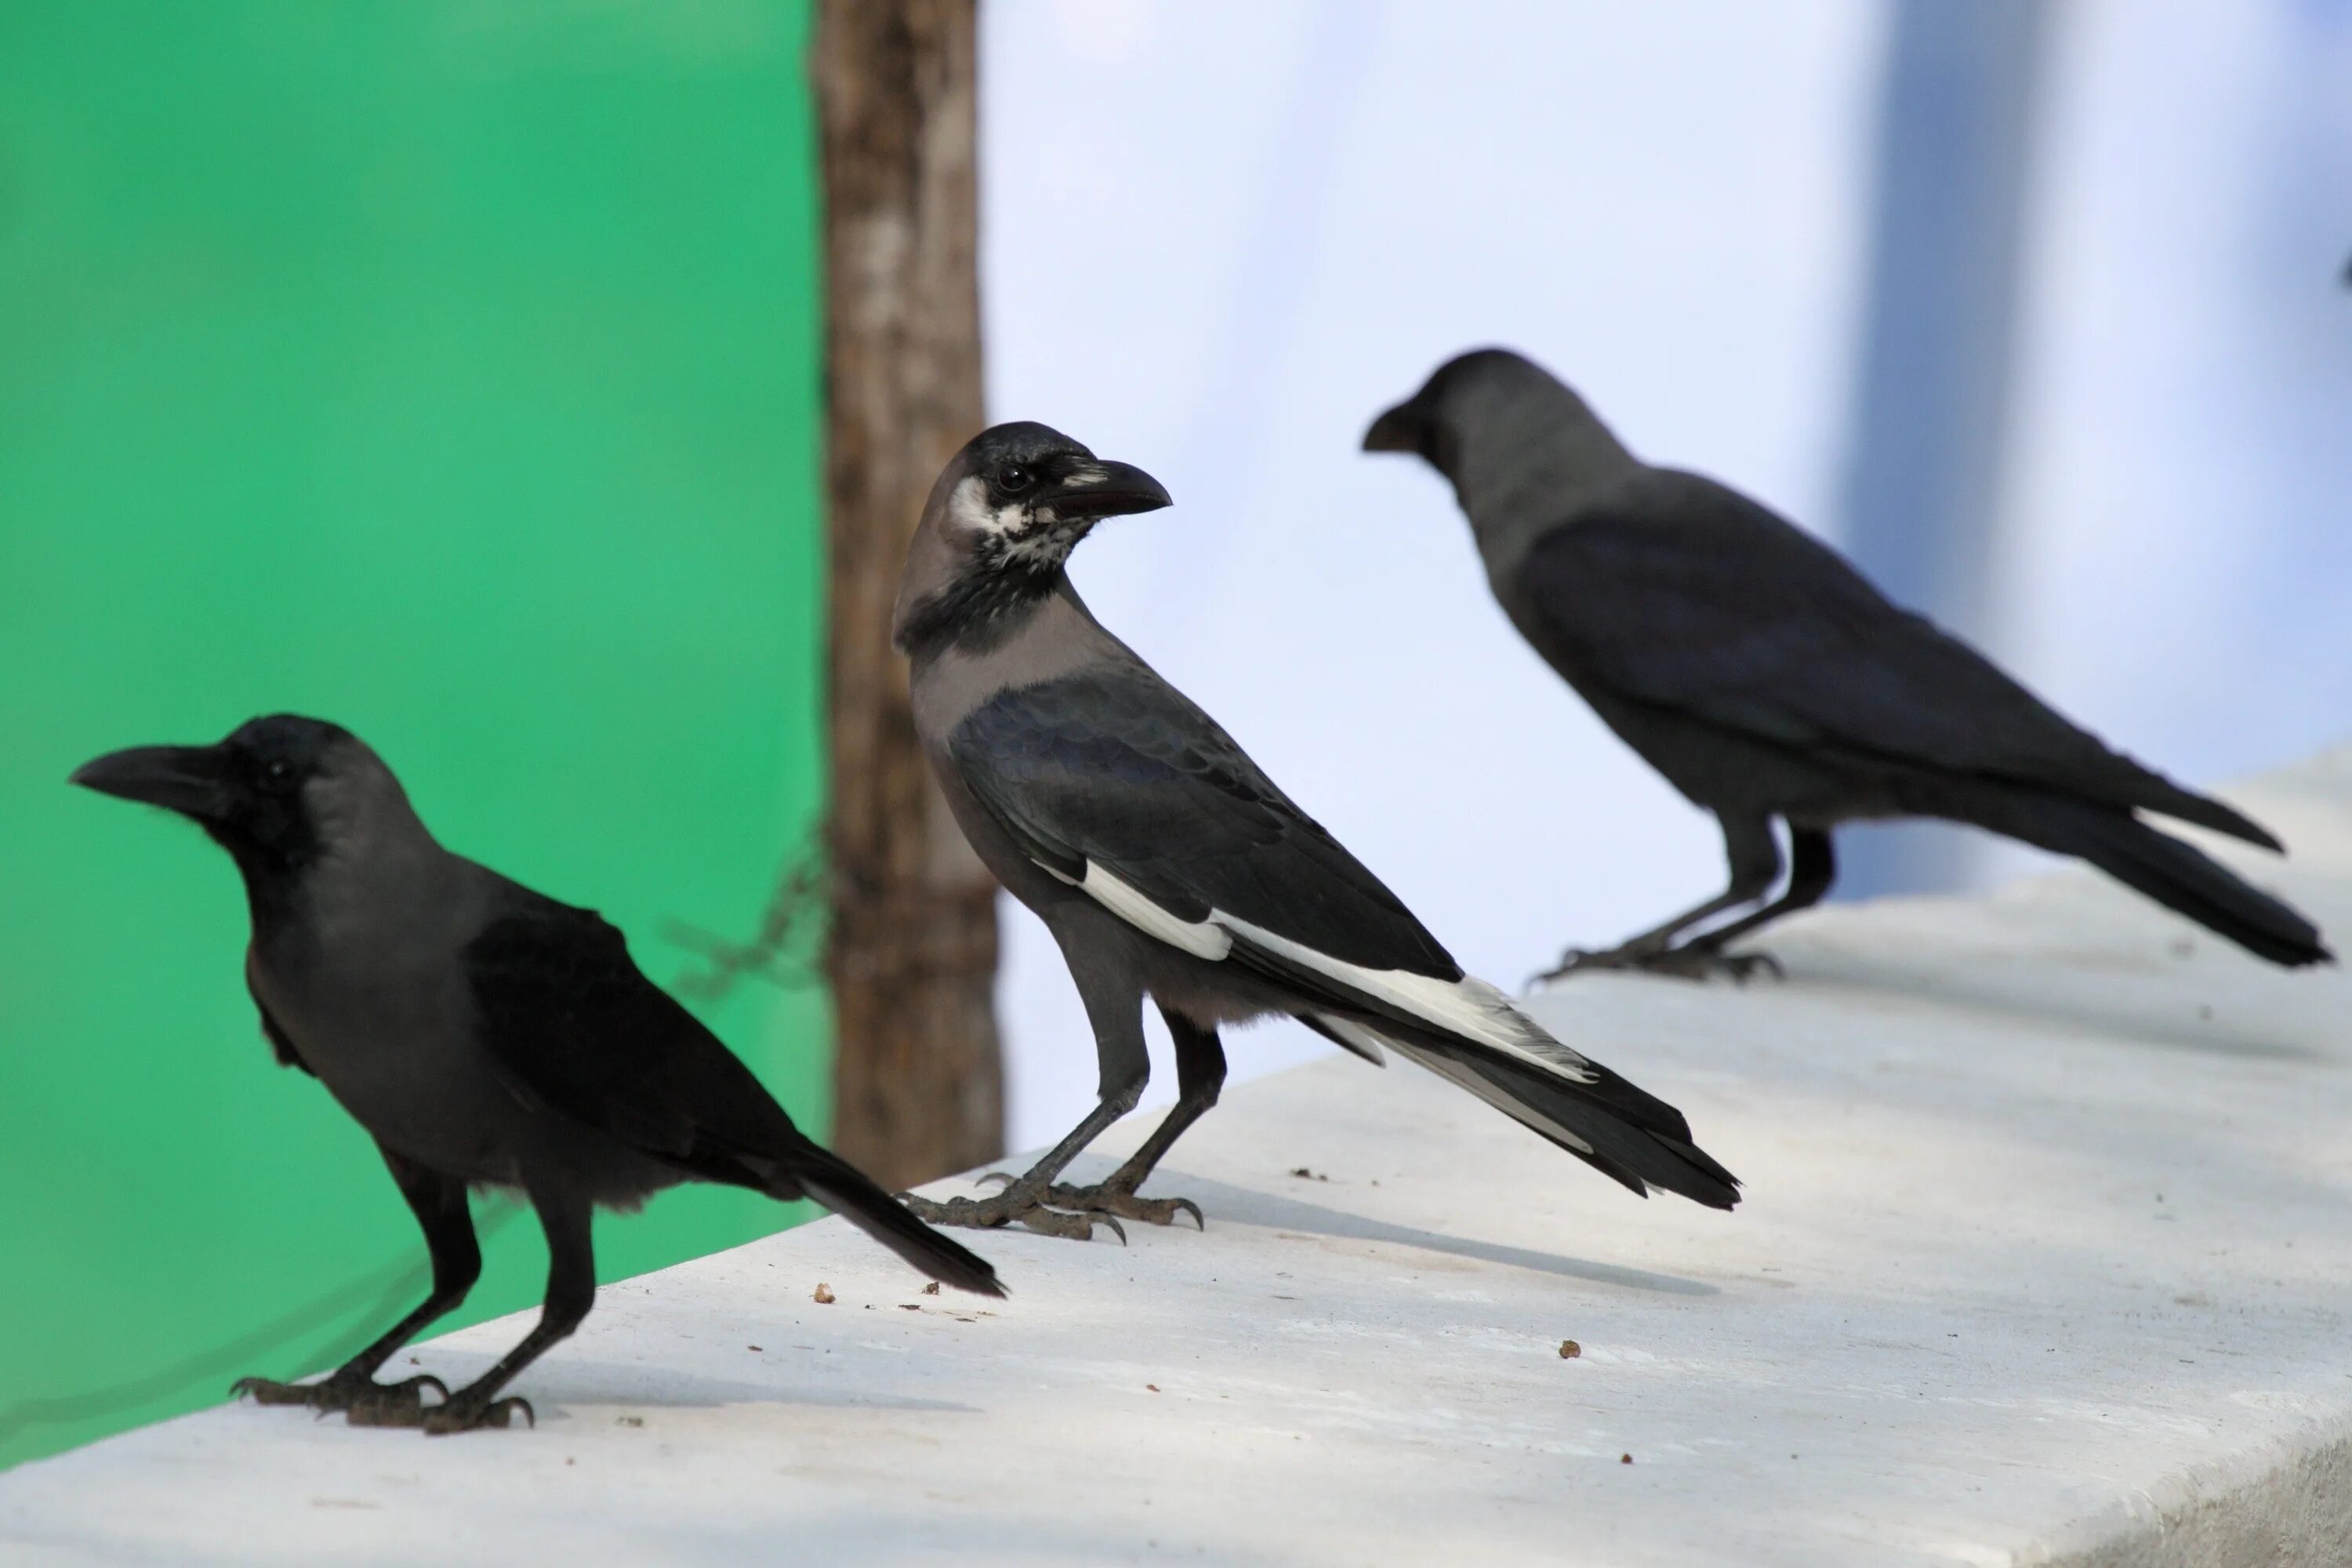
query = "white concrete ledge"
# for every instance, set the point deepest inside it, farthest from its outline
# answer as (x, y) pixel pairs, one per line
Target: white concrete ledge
(2046, 1256)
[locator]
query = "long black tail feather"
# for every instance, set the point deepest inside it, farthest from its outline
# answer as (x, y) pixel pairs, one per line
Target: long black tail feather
(2179, 876)
(1627, 1134)
(855, 1197)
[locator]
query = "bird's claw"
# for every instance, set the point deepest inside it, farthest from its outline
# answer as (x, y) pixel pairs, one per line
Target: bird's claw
(1694, 962)
(1705, 962)
(1012, 1206)
(1071, 1226)
(1574, 959)
(463, 1414)
(1105, 1199)
(1004, 1178)
(362, 1401)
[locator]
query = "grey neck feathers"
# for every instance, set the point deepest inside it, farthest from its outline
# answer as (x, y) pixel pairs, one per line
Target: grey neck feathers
(1527, 465)
(1059, 636)
(375, 868)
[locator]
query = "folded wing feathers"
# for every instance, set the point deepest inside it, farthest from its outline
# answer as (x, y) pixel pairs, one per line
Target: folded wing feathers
(1504, 1058)
(1352, 1035)
(1461, 1076)
(1468, 1008)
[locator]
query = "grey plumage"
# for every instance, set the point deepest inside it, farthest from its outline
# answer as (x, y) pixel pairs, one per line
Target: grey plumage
(1766, 678)
(483, 1035)
(1167, 865)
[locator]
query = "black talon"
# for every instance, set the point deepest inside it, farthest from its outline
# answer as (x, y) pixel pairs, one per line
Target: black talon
(362, 1401)
(1693, 960)
(996, 1176)
(440, 1421)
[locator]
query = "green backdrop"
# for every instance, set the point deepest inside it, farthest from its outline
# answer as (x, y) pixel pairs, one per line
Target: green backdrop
(448, 369)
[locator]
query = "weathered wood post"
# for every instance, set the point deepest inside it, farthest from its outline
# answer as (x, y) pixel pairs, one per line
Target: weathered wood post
(918, 1079)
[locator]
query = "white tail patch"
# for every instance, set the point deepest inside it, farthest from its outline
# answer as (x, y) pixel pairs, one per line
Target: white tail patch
(1517, 1109)
(1202, 939)
(1468, 1008)
(1370, 1042)
(1356, 1037)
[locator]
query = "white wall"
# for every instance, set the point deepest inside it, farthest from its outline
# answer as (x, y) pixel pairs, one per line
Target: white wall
(1218, 237)
(2178, 543)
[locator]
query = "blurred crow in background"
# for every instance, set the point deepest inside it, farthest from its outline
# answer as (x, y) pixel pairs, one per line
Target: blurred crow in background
(1765, 677)
(1167, 865)
(483, 1035)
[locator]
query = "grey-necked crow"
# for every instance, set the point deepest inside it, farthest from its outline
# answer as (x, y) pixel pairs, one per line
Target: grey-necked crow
(1167, 865)
(1766, 678)
(483, 1034)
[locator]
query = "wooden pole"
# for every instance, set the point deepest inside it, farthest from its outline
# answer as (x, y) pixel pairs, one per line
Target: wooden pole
(918, 1076)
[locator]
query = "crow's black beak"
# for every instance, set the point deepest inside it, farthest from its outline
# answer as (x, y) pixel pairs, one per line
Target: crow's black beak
(189, 779)
(1398, 430)
(1097, 489)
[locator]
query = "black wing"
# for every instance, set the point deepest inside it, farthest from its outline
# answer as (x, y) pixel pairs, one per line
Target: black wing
(1116, 769)
(573, 1026)
(1119, 768)
(1685, 595)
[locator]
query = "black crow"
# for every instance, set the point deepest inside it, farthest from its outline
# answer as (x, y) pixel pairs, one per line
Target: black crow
(483, 1034)
(1765, 677)
(1167, 865)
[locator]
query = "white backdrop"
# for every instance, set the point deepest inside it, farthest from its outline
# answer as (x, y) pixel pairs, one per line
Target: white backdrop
(1219, 238)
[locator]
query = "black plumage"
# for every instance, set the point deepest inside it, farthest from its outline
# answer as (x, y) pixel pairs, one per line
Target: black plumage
(1109, 766)
(1765, 677)
(483, 1034)
(1167, 865)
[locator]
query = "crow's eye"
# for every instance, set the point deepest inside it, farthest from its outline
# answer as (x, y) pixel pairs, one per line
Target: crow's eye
(1013, 478)
(278, 775)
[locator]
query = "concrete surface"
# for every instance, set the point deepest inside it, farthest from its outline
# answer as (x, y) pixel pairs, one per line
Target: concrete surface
(2045, 1259)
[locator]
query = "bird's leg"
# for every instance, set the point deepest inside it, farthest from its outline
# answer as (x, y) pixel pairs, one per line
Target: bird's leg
(571, 1292)
(1025, 1198)
(1755, 862)
(440, 1204)
(1812, 867)
(1200, 1074)
(1114, 1008)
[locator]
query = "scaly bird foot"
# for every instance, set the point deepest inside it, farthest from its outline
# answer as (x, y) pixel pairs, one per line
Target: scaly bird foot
(465, 1412)
(364, 1401)
(1705, 962)
(1693, 963)
(1010, 1207)
(1104, 1198)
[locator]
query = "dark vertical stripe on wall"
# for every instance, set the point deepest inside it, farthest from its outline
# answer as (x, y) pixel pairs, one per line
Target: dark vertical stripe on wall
(1932, 384)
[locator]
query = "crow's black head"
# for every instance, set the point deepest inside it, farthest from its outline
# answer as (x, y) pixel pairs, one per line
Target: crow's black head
(1004, 516)
(1024, 494)
(1429, 423)
(263, 794)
